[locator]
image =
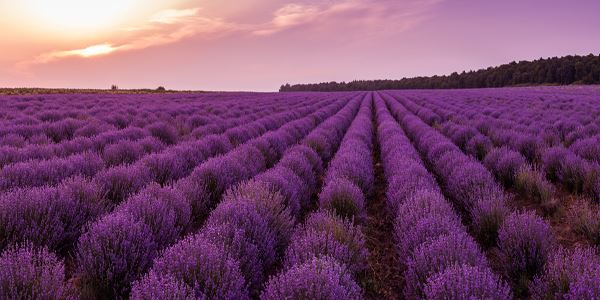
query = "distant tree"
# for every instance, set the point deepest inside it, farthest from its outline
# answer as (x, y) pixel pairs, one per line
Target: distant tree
(161, 89)
(554, 70)
(114, 87)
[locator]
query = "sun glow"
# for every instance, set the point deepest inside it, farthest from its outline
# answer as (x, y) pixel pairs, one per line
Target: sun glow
(79, 15)
(94, 50)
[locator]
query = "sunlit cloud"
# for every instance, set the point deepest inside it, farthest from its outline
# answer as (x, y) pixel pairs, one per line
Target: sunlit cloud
(369, 13)
(96, 50)
(289, 16)
(173, 16)
(172, 25)
(165, 27)
(91, 51)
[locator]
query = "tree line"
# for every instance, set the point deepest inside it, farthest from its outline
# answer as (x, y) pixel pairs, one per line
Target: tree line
(572, 69)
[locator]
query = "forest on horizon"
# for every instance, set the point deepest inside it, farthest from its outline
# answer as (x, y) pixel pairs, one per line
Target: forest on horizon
(572, 69)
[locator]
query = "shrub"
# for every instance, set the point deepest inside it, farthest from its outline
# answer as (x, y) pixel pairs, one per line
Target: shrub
(165, 210)
(12, 139)
(406, 182)
(295, 192)
(310, 154)
(466, 282)
(353, 162)
(529, 146)
(504, 164)
(479, 146)
(435, 256)
(563, 268)
(32, 215)
(319, 278)
(30, 273)
(585, 219)
(269, 204)
(245, 216)
(214, 144)
(213, 178)
(258, 155)
(47, 172)
(49, 216)
(314, 244)
(588, 148)
(585, 286)
(165, 167)
(112, 254)
(422, 205)
(302, 167)
(425, 229)
(239, 245)
(203, 266)
(344, 198)
(119, 182)
(552, 161)
(124, 152)
(324, 234)
(532, 184)
(469, 183)
(321, 144)
(84, 202)
(524, 242)
(575, 174)
(487, 216)
(164, 132)
(154, 286)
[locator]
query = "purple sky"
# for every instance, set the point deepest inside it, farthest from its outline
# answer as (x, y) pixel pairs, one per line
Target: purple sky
(258, 45)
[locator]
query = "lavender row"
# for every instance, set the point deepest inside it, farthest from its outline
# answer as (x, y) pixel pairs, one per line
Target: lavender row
(524, 241)
(511, 168)
(328, 250)
(47, 117)
(29, 174)
(89, 139)
(440, 259)
(243, 235)
(543, 142)
(164, 199)
(467, 183)
(48, 218)
(195, 198)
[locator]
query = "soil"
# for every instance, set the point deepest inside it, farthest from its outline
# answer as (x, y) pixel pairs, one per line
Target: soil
(383, 280)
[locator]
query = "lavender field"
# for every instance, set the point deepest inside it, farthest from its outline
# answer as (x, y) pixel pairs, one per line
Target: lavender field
(429, 194)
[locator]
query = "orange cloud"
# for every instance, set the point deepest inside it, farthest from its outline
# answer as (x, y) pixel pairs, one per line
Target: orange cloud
(172, 25)
(165, 27)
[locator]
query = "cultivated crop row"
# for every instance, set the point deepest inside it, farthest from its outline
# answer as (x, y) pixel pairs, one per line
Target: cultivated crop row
(523, 241)
(245, 234)
(297, 195)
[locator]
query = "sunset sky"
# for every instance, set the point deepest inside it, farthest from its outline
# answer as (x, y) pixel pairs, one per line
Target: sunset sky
(261, 44)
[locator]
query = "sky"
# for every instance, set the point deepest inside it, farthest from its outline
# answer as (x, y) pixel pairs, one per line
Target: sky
(257, 45)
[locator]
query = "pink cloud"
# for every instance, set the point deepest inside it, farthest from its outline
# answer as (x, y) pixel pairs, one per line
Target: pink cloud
(367, 13)
(172, 25)
(165, 27)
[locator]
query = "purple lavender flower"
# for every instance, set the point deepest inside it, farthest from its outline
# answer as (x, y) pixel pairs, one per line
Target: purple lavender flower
(112, 254)
(467, 282)
(154, 286)
(202, 266)
(319, 278)
(525, 242)
(564, 267)
(344, 198)
(437, 255)
(165, 210)
(27, 272)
